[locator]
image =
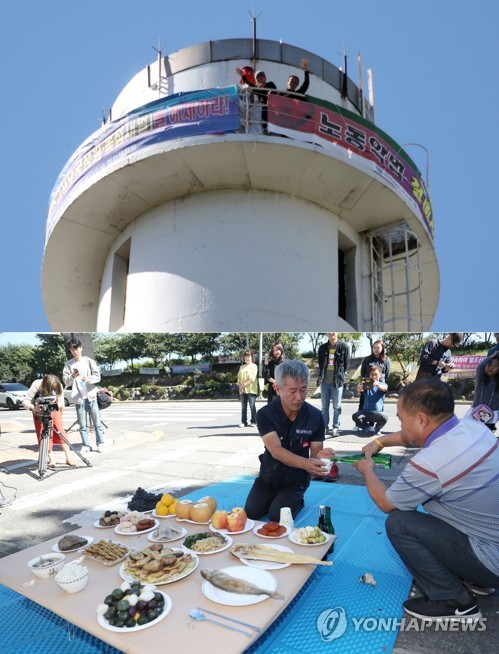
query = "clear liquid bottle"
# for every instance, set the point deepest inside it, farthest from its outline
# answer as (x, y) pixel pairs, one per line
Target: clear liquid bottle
(329, 528)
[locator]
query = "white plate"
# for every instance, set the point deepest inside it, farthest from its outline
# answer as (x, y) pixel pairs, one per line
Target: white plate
(155, 515)
(268, 565)
(229, 543)
(247, 527)
(293, 540)
(193, 522)
(129, 578)
(259, 526)
(90, 540)
(168, 605)
(136, 533)
(152, 538)
(104, 561)
(99, 526)
(260, 578)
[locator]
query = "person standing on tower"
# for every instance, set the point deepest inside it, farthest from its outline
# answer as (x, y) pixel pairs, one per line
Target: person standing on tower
(333, 358)
(81, 373)
(294, 80)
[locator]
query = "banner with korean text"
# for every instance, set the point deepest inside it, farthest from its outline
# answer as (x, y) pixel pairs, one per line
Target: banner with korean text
(330, 126)
(212, 111)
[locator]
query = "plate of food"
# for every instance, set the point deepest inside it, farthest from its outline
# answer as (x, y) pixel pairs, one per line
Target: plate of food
(72, 543)
(271, 530)
(113, 613)
(155, 514)
(243, 551)
(247, 527)
(309, 537)
(239, 585)
(143, 526)
(166, 534)
(108, 519)
(207, 542)
(107, 552)
(158, 565)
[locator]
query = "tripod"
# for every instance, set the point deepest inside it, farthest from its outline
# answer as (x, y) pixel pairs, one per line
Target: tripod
(43, 451)
(90, 423)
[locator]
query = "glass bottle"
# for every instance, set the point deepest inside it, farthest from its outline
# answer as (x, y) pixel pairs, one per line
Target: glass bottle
(322, 518)
(380, 460)
(329, 529)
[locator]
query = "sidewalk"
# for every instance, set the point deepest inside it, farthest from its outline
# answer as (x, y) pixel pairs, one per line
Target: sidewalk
(19, 448)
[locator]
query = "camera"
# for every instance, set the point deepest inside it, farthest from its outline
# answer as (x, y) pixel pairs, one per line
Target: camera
(48, 404)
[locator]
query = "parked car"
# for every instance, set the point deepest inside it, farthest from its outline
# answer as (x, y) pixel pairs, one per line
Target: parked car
(12, 395)
(67, 397)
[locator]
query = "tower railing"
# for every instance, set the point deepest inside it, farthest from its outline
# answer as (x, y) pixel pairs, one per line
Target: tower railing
(396, 279)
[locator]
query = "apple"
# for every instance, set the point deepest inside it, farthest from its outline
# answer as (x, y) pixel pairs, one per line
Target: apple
(235, 522)
(219, 519)
(239, 509)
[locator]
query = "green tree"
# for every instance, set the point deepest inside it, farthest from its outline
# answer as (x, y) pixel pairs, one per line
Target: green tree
(203, 345)
(107, 350)
(16, 363)
(50, 355)
(404, 348)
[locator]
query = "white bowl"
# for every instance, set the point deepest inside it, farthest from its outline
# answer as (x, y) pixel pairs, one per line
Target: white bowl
(46, 565)
(73, 585)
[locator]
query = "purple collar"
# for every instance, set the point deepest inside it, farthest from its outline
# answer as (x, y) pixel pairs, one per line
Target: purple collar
(441, 430)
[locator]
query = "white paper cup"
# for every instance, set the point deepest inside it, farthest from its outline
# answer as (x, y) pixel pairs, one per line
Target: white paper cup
(286, 517)
(328, 463)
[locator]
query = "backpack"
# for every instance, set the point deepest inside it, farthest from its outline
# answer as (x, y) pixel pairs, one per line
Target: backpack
(104, 398)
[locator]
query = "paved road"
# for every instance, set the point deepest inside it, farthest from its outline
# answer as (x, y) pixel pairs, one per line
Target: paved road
(175, 446)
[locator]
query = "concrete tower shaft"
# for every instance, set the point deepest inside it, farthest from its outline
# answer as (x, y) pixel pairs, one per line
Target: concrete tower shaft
(188, 213)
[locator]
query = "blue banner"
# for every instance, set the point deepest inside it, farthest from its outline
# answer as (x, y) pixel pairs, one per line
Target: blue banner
(211, 111)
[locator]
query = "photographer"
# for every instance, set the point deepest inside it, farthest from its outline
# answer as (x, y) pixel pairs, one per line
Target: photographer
(46, 387)
(371, 418)
(81, 373)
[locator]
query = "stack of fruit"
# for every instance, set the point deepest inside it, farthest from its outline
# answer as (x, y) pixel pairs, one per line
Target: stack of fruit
(165, 506)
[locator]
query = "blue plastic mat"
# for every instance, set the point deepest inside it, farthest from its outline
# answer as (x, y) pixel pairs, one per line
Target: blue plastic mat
(334, 610)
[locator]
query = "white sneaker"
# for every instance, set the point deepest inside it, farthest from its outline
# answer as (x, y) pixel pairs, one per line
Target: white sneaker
(241, 425)
(335, 432)
(84, 449)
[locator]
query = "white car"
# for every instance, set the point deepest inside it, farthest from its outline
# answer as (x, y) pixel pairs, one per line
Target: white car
(12, 395)
(67, 397)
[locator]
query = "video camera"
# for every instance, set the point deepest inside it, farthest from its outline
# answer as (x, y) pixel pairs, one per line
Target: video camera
(47, 404)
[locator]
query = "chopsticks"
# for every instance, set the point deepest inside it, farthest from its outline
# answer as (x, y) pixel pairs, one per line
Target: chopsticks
(220, 615)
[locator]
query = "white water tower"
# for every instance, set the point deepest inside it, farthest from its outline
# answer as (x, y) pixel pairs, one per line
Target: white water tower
(184, 213)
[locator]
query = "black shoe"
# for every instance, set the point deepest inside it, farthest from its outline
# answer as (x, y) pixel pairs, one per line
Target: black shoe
(478, 590)
(436, 610)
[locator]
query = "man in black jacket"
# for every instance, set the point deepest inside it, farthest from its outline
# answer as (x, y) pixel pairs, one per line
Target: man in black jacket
(435, 358)
(333, 358)
(292, 432)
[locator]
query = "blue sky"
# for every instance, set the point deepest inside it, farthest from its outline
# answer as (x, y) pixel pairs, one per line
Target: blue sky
(435, 74)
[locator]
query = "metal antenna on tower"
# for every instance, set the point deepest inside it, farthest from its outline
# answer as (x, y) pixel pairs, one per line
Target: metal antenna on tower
(253, 18)
(161, 78)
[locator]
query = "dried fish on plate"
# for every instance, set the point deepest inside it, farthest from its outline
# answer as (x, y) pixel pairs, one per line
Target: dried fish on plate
(268, 553)
(231, 584)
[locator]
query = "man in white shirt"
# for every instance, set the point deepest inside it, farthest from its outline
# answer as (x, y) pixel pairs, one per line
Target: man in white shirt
(81, 373)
